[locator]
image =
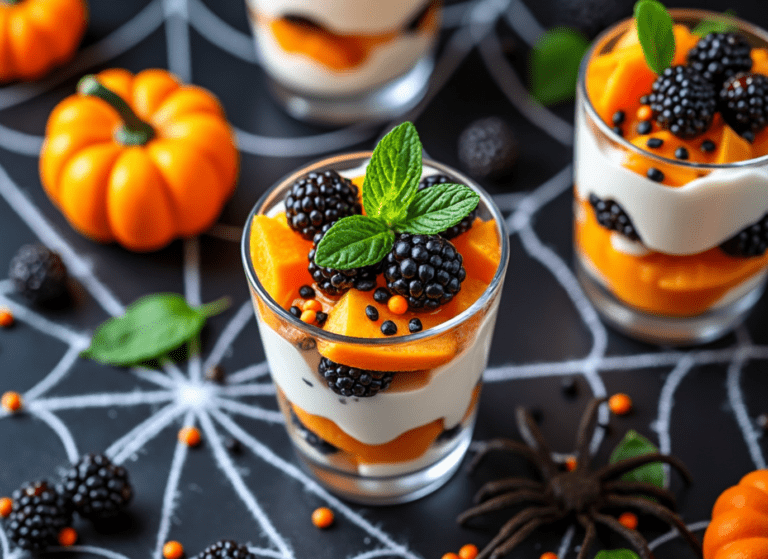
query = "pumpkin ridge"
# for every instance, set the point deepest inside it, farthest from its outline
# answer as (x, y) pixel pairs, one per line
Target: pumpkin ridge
(7, 64)
(20, 29)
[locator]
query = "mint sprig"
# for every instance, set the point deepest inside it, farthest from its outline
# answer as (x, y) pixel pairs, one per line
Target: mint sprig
(655, 30)
(617, 554)
(393, 204)
(707, 26)
(554, 64)
(634, 444)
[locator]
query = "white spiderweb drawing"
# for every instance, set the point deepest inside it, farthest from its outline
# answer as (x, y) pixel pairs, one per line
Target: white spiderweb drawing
(181, 393)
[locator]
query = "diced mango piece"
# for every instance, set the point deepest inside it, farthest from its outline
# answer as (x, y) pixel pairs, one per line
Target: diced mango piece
(480, 249)
(732, 147)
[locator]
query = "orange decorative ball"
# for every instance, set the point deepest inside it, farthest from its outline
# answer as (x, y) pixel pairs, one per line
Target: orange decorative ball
(468, 551)
(322, 517)
(6, 506)
(190, 436)
(6, 318)
(173, 550)
(67, 537)
(11, 401)
(628, 520)
(140, 160)
(620, 404)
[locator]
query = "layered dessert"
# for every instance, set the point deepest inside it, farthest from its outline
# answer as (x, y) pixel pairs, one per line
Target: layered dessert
(671, 180)
(342, 47)
(378, 368)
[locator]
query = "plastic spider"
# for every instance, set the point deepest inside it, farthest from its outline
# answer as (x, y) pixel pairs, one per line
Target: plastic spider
(581, 493)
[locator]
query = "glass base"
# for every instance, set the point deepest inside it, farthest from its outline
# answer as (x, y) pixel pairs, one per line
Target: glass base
(389, 490)
(665, 330)
(387, 102)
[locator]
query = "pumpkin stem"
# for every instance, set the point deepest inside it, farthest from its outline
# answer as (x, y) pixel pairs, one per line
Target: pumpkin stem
(134, 131)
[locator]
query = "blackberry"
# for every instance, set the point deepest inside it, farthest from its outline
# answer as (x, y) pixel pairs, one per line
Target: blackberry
(319, 199)
(718, 56)
(97, 488)
(683, 102)
(750, 241)
(487, 148)
(38, 274)
(311, 438)
(336, 282)
(744, 103)
(425, 269)
(226, 549)
(351, 381)
(462, 226)
(611, 216)
(39, 513)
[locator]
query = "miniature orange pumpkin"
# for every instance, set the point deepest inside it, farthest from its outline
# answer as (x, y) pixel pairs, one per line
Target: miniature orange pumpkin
(739, 527)
(36, 35)
(139, 159)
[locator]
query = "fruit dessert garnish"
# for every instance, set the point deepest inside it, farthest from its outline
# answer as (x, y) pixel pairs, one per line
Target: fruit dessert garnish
(681, 100)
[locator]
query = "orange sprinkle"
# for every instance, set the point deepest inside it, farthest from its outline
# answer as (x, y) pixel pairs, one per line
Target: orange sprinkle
(322, 517)
(6, 318)
(312, 305)
(67, 537)
(468, 551)
(450, 556)
(309, 317)
(620, 404)
(173, 550)
(644, 113)
(628, 520)
(570, 463)
(397, 304)
(11, 401)
(548, 555)
(6, 506)
(190, 436)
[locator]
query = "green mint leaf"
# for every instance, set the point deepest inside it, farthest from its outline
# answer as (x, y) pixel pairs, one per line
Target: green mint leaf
(150, 328)
(392, 176)
(655, 31)
(439, 207)
(617, 554)
(354, 241)
(707, 26)
(634, 444)
(554, 65)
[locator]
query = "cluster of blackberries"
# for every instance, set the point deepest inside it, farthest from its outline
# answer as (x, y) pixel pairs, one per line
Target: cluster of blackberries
(94, 488)
(716, 77)
(226, 549)
(351, 381)
(612, 216)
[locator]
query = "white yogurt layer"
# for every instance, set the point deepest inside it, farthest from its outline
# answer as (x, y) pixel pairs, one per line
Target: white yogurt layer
(673, 220)
(346, 16)
(304, 74)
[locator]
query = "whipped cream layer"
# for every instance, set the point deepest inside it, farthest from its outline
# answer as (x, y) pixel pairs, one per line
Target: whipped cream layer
(673, 220)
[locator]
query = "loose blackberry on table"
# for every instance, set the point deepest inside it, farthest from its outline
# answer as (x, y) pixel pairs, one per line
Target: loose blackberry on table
(750, 241)
(351, 381)
(744, 103)
(488, 148)
(718, 56)
(97, 488)
(226, 549)
(466, 223)
(319, 199)
(612, 216)
(38, 274)
(39, 513)
(683, 102)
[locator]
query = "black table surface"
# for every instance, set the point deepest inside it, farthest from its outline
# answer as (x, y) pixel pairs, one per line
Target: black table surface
(699, 403)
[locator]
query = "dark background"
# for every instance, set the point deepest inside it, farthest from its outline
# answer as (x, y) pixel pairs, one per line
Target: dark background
(538, 324)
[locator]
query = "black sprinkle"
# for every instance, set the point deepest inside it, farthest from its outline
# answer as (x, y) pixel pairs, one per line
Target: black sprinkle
(748, 136)
(414, 325)
(681, 153)
(295, 311)
(654, 143)
(233, 446)
(655, 175)
(307, 382)
(644, 127)
(306, 292)
(388, 328)
(762, 422)
(307, 344)
(321, 317)
(371, 313)
(618, 131)
(381, 295)
(618, 117)
(569, 386)
(644, 100)
(215, 374)
(707, 146)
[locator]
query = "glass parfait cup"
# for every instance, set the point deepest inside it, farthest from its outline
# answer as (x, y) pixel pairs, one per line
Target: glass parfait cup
(407, 440)
(676, 277)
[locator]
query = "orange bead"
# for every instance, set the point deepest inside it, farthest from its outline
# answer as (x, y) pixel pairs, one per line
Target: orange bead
(571, 463)
(6, 506)
(620, 404)
(397, 304)
(468, 551)
(628, 520)
(309, 317)
(322, 517)
(548, 555)
(173, 550)
(67, 537)
(644, 113)
(450, 556)
(11, 401)
(6, 318)
(190, 436)
(312, 305)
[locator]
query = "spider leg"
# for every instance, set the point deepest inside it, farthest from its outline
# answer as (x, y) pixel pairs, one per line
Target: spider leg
(614, 470)
(506, 547)
(626, 487)
(495, 487)
(520, 519)
(589, 537)
(632, 536)
(586, 431)
(503, 501)
(523, 450)
(659, 512)
(526, 422)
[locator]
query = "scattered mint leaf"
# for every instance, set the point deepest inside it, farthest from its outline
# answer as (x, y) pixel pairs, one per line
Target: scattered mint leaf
(392, 176)
(617, 554)
(655, 32)
(634, 444)
(150, 328)
(439, 207)
(354, 241)
(554, 65)
(707, 26)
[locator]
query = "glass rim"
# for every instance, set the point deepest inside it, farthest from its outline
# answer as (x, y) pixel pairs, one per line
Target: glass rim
(676, 13)
(426, 334)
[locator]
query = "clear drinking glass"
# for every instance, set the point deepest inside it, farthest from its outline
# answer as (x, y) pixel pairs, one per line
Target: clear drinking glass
(676, 284)
(346, 61)
(407, 440)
